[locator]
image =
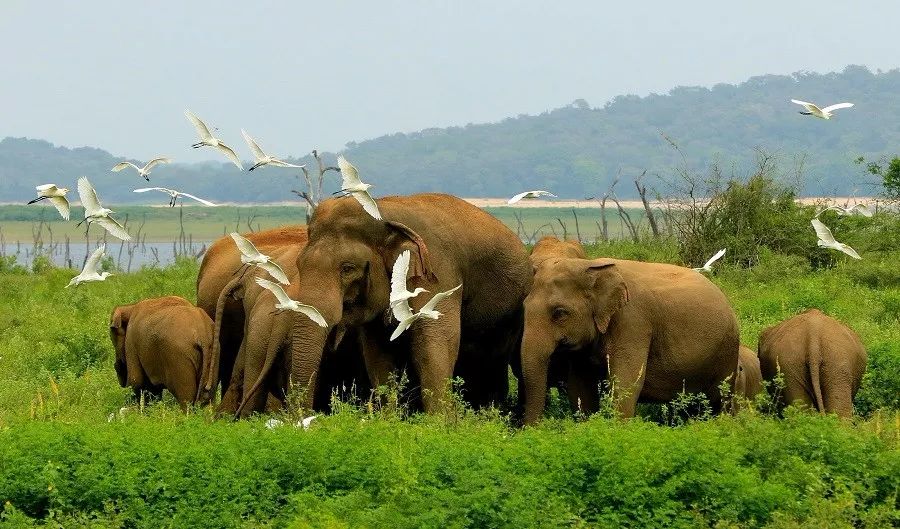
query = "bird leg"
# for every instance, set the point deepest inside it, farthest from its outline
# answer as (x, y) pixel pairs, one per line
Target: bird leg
(38, 199)
(197, 145)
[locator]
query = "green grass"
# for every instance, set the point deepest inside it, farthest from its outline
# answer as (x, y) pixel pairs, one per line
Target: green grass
(62, 464)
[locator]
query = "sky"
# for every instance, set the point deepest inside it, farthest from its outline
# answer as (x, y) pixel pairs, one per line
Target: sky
(303, 75)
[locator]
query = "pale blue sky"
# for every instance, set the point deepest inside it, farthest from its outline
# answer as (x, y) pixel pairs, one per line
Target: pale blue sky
(301, 75)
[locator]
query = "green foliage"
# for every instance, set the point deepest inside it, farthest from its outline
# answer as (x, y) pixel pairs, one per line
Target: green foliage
(889, 174)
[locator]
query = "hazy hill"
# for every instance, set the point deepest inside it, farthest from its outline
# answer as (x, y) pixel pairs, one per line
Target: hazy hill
(573, 151)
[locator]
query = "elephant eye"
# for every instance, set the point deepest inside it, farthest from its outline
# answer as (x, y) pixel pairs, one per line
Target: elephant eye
(559, 313)
(347, 268)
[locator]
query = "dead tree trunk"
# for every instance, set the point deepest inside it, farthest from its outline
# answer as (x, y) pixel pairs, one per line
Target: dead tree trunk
(642, 191)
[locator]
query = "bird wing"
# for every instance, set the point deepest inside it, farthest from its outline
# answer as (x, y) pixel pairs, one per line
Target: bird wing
(822, 231)
(275, 271)
(402, 326)
(517, 198)
(714, 258)
(62, 205)
(88, 196)
(313, 314)
(92, 265)
(228, 152)
(437, 298)
(113, 227)
(809, 106)
(145, 189)
(399, 272)
(544, 193)
(257, 151)
(349, 174)
(156, 161)
(274, 288)
(836, 106)
(46, 187)
(202, 129)
(401, 310)
(849, 251)
(368, 203)
(281, 163)
(245, 246)
(198, 199)
(863, 210)
(124, 165)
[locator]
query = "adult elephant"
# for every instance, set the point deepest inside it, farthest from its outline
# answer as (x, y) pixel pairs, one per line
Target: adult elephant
(219, 267)
(345, 272)
(652, 329)
(822, 360)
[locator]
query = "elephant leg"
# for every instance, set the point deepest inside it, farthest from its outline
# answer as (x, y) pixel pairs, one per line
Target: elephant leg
(583, 387)
(626, 352)
(435, 347)
(232, 396)
(836, 394)
(380, 363)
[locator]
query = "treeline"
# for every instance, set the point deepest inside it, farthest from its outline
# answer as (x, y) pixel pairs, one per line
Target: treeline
(575, 151)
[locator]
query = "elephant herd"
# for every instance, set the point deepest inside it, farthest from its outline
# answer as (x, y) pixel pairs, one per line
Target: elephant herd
(648, 330)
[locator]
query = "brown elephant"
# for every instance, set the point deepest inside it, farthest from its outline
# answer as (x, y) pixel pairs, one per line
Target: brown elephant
(747, 377)
(550, 246)
(822, 360)
(220, 266)
(653, 330)
(345, 273)
(160, 344)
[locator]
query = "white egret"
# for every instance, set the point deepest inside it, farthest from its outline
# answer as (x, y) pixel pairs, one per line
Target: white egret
(143, 171)
(94, 212)
(824, 113)
(826, 240)
(530, 195)
(304, 423)
(56, 196)
(708, 266)
(284, 302)
(207, 139)
(175, 195)
(858, 208)
(398, 281)
(91, 271)
(251, 256)
(402, 310)
(261, 157)
(352, 185)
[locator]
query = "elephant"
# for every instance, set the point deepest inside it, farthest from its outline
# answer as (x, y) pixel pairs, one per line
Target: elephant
(550, 246)
(160, 344)
(822, 360)
(651, 330)
(747, 376)
(219, 266)
(345, 272)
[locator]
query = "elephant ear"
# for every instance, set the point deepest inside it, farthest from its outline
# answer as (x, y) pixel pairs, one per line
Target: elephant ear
(608, 290)
(118, 323)
(401, 237)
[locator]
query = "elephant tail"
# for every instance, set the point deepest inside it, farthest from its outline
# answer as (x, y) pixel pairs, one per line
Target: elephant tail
(209, 377)
(271, 353)
(815, 367)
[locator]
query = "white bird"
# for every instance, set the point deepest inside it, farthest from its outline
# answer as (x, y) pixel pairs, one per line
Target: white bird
(708, 266)
(284, 302)
(94, 212)
(251, 256)
(56, 196)
(91, 271)
(398, 281)
(143, 171)
(207, 139)
(824, 113)
(858, 208)
(404, 313)
(273, 423)
(261, 157)
(306, 422)
(826, 240)
(352, 185)
(530, 194)
(174, 195)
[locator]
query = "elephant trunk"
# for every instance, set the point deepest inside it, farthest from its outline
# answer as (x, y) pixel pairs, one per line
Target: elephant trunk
(308, 344)
(536, 350)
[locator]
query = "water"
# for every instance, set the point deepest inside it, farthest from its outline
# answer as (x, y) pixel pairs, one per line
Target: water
(127, 257)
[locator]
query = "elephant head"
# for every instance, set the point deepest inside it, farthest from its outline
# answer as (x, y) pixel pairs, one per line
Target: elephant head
(569, 308)
(118, 324)
(344, 271)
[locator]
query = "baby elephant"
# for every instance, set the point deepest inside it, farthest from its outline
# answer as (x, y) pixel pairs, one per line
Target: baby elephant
(822, 359)
(748, 379)
(160, 343)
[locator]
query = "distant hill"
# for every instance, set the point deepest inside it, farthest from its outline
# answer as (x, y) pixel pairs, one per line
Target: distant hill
(573, 151)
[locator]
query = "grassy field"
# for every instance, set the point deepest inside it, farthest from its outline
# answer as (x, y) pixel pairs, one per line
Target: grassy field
(70, 458)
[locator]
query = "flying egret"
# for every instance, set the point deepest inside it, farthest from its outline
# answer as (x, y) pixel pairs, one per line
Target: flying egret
(826, 240)
(398, 281)
(174, 195)
(94, 212)
(91, 271)
(530, 194)
(352, 185)
(824, 113)
(251, 256)
(207, 139)
(143, 171)
(284, 302)
(402, 311)
(858, 208)
(261, 157)
(708, 266)
(56, 196)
